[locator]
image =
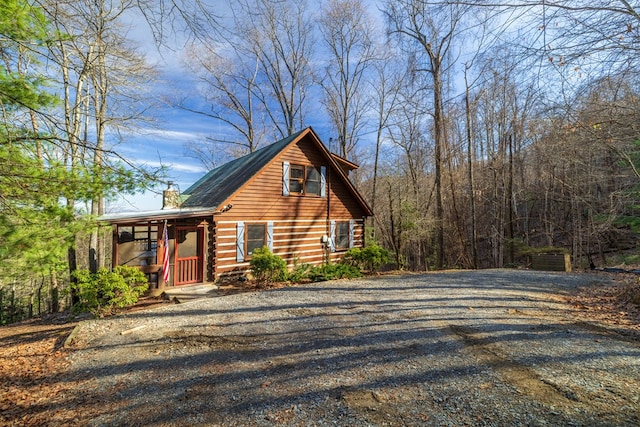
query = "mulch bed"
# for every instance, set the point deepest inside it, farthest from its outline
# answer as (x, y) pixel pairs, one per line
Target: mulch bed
(32, 372)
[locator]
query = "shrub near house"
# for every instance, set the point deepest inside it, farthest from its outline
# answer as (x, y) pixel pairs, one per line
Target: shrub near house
(104, 291)
(370, 258)
(267, 267)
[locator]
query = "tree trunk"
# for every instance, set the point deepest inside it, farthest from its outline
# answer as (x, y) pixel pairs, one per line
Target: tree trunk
(471, 183)
(55, 297)
(509, 203)
(375, 180)
(438, 134)
(73, 266)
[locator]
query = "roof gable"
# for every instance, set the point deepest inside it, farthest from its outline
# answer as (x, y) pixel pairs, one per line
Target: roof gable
(221, 183)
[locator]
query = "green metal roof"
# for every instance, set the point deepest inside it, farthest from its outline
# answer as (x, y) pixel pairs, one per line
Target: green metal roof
(220, 183)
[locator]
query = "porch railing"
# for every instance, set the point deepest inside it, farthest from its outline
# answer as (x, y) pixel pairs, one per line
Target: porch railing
(188, 270)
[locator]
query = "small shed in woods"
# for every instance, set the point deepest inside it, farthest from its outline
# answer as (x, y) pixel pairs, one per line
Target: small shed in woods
(293, 196)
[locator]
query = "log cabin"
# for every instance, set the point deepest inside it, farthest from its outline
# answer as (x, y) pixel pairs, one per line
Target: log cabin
(293, 196)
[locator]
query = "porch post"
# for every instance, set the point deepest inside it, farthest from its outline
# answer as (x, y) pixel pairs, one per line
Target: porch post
(212, 249)
(161, 253)
(114, 245)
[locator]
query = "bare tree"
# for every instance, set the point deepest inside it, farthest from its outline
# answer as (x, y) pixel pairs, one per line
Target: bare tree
(428, 31)
(103, 80)
(385, 86)
(166, 18)
(254, 74)
(470, 174)
(229, 85)
(597, 33)
(279, 35)
(349, 35)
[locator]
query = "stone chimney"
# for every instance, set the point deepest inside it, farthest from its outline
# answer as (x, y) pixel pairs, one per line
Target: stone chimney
(170, 198)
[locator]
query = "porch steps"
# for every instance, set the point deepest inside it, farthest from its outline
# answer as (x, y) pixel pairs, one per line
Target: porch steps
(181, 294)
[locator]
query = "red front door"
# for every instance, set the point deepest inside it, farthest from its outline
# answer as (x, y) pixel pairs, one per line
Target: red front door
(189, 257)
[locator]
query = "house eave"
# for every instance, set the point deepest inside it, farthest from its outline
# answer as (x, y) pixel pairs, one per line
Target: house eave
(154, 216)
(344, 162)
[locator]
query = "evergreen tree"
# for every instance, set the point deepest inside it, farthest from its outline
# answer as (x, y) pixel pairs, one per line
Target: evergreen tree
(38, 226)
(35, 229)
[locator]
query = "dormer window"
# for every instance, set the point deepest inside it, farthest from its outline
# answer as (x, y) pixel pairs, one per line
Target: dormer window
(303, 180)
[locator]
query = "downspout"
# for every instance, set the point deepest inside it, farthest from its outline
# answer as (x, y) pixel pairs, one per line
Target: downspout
(327, 247)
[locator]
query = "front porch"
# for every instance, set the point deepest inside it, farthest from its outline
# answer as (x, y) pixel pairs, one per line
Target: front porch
(168, 246)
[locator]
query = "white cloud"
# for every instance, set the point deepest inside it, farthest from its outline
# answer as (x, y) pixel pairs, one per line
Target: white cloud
(173, 135)
(177, 166)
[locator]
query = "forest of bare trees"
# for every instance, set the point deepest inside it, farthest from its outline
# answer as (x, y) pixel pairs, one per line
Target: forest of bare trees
(485, 131)
(524, 136)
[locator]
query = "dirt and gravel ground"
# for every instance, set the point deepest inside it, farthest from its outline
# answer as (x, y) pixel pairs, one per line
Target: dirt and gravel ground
(493, 347)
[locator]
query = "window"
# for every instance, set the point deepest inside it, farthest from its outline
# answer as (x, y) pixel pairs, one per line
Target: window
(250, 237)
(137, 244)
(296, 179)
(301, 179)
(312, 183)
(255, 238)
(342, 235)
(125, 234)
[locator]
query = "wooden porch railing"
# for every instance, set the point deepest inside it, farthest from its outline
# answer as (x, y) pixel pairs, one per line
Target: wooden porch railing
(188, 270)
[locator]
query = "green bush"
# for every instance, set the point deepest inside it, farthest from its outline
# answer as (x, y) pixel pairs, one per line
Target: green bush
(267, 267)
(370, 258)
(299, 273)
(333, 272)
(102, 292)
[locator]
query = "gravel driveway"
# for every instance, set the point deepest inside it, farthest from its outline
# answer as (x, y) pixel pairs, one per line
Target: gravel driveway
(491, 347)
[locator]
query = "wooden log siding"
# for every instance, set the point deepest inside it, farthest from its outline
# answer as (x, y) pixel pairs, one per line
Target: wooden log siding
(299, 221)
(263, 197)
(295, 241)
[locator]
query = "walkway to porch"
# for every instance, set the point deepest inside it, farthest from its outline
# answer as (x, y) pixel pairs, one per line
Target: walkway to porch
(200, 290)
(186, 293)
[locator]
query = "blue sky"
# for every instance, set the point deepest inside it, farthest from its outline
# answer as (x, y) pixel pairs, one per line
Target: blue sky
(163, 142)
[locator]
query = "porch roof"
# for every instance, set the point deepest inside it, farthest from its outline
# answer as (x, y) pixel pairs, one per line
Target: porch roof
(157, 215)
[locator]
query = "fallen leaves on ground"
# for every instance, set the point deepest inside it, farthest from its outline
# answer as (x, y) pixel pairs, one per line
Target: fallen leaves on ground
(32, 371)
(614, 303)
